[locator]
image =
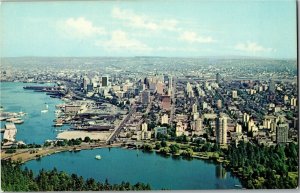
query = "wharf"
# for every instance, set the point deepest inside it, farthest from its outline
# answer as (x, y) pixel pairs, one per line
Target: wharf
(39, 88)
(10, 132)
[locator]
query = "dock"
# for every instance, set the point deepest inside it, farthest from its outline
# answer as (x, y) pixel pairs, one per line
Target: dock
(10, 132)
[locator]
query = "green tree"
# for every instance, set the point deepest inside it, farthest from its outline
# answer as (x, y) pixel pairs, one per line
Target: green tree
(87, 139)
(163, 143)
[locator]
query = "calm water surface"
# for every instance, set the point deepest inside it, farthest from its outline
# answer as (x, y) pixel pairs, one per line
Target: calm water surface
(37, 126)
(119, 165)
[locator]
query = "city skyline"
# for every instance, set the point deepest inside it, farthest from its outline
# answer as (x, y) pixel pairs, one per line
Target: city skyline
(126, 29)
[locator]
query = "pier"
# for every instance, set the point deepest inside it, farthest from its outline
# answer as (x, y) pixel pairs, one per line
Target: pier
(10, 132)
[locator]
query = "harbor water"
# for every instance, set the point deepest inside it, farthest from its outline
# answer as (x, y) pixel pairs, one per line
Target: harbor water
(37, 126)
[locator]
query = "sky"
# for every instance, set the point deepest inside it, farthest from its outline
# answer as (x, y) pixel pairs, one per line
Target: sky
(170, 28)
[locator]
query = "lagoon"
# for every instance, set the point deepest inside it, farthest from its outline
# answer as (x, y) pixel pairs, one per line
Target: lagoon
(118, 164)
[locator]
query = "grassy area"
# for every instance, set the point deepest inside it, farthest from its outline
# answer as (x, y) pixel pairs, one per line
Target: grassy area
(293, 175)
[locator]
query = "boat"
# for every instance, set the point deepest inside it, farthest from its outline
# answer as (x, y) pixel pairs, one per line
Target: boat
(58, 125)
(45, 110)
(98, 157)
(21, 113)
(20, 121)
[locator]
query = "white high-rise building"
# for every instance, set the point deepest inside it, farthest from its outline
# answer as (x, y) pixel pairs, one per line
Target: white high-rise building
(221, 129)
(86, 81)
(250, 125)
(204, 105)
(165, 119)
(238, 128)
(219, 104)
(194, 108)
(285, 99)
(234, 94)
(293, 102)
(198, 125)
(246, 118)
(195, 116)
(144, 127)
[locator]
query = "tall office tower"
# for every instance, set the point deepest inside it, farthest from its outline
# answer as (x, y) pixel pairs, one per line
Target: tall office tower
(273, 127)
(246, 118)
(219, 104)
(166, 102)
(198, 125)
(204, 105)
(234, 94)
(169, 91)
(195, 116)
(285, 99)
(86, 81)
(165, 119)
(171, 82)
(194, 108)
(221, 129)
(105, 81)
(250, 125)
(238, 128)
(189, 87)
(160, 88)
(293, 102)
(145, 97)
(282, 132)
(272, 86)
(218, 78)
(95, 81)
(144, 127)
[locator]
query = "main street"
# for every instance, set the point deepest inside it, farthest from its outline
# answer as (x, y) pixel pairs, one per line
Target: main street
(119, 127)
(173, 101)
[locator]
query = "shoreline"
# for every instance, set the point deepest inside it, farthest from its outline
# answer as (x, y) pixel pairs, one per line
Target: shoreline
(25, 155)
(43, 152)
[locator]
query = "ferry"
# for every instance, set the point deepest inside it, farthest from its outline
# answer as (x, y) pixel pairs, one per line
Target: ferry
(98, 157)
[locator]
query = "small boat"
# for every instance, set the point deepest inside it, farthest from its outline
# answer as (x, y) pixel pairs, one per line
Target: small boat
(45, 110)
(20, 121)
(58, 125)
(21, 113)
(98, 157)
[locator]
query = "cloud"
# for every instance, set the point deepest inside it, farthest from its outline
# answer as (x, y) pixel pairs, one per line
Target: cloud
(252, 47)
(176, 49)
(80, 27)
(120, 41)
(142, 21)
(193, 37)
